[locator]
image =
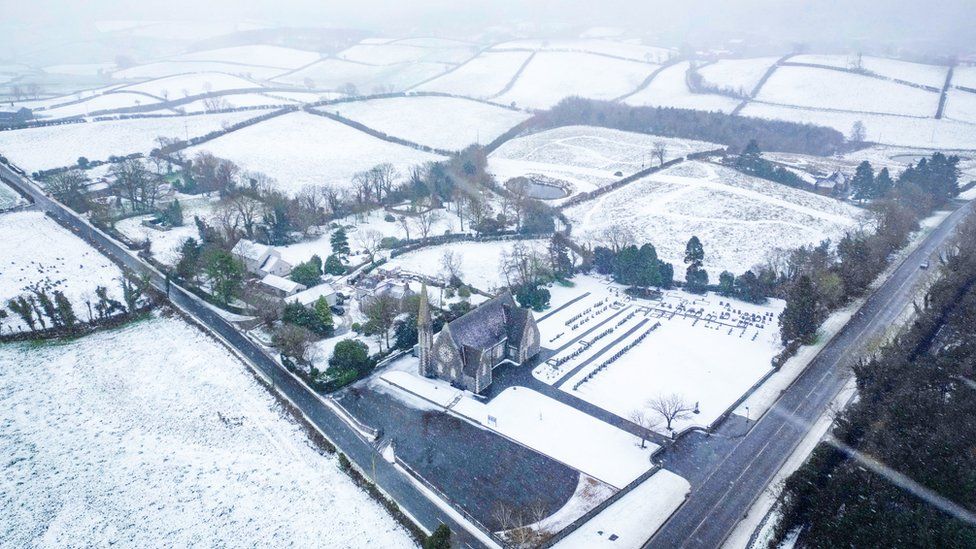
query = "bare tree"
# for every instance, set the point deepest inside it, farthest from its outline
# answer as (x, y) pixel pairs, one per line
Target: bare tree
(369, 240)
(383, 177)
(858, 132)
(362, 182)
(522, 527)
(644, 420)
(671, 407)
(426, 220)
(248, 210)
(405, 222)
(293, 341)
(616, 237)
(523, 265)
(660, 151)
(381, 310)
(333, 196)
(451, 265)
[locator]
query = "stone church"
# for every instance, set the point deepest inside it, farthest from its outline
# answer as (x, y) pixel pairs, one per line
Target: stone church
(468, 348)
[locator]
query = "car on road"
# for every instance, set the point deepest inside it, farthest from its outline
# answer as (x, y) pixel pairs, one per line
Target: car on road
(924, 264)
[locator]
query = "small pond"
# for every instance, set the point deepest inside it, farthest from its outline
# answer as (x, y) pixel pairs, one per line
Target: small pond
(537, 190)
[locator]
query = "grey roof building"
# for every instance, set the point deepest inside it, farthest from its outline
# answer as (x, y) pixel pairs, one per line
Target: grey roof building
(467, 349)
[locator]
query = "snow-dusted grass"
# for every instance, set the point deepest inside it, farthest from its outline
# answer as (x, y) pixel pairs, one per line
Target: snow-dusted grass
(165, 244)
(234, 101)
(172, 68)
(585, 158)
(36, 250)
(961, 105)
(552, 76)
(183, 85)
(482, 77)
(826, 89)
(300, 149)
(634, 518)
(439, 122)
(55, 146)
(670, 89)
(548, 426)
(480, 261)
(739, 75)
(917, 73)
(738, 218)
(964, 76)
(80, 69)
(711, 357)
(9, 198)
(154, 434)
(255, 54)
(885, 129)
(629, 50)
(109, 101)
(332, 73)
(400, 52)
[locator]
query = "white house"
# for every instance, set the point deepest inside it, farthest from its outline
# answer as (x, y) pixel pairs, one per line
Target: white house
(281, 287)
(313, 294)
(260, 259)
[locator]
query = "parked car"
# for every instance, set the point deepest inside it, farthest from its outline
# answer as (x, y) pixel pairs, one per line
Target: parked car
(337, 310)
(924, 264)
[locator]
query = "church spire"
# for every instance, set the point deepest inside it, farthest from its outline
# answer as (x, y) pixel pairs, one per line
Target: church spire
(425, 335)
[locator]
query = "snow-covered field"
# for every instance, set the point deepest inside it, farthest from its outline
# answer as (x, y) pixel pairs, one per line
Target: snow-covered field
(670, 89)
(917, 73)
(964, 76)
(634, 518)
(961, 105)
(169, 68)
(439, 122)
(233, 101)
(886, 129)
(552, 76)
(55, 146)
(399, 52)
(739, 75)
(300, 149)
(480, 261)
(617, 48)
(184, 85)
(36, 250)
(708, 349)
(482, 77)
(548, 426)
(585, 158)
(826, 89)
(738, 218)
(154, 434)
(332, 73)
(9, 198)
(109, 101)
(256, 54)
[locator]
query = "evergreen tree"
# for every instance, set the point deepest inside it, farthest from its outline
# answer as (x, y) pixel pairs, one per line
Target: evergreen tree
(749, 288)
(333, 266)
(188, 264)
(883, 184)
(308, 273)
(603, 260)
(350, 355)
(863, 181)
(440, 539)
(726, 284)
(324, 312)
(66, 311)
(562, 265)
(225, 274)
(646, 270)
(310, 319)
(340, 242)
(24, 310)
(532, 296)
(696, 279)
(800, 319)
(665, 274)
(627, 266)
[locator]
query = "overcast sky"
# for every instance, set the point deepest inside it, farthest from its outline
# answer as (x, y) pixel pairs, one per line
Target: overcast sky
(945, 24)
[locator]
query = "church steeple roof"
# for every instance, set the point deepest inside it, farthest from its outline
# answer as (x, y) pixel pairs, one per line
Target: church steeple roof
(423, 315)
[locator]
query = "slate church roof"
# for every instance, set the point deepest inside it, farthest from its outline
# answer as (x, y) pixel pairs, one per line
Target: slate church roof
(485, 326)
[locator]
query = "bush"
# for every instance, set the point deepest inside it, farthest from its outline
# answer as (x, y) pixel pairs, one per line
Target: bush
(389, 242)
(389, 217)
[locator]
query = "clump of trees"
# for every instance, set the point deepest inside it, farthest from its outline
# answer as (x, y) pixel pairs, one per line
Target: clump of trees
(912, 418)
(734, 132)
(750, 161)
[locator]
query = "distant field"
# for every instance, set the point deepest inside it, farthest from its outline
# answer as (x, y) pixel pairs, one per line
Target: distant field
(826, 89)
(439, 122)
(629, 50)
(961, 105)
(738, 218)
(584, 158)
(183, 85)
(301, 149)
(552, 76)
(482, 77)
(56, 146)
(332, 73)
(669, 89)
(169, 68)
(918, 73)
(739, 75)
(109, 101)
(259, 55)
